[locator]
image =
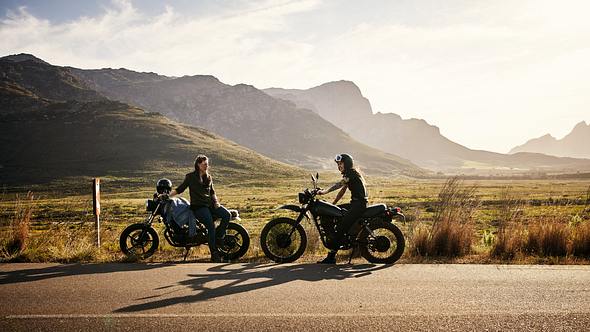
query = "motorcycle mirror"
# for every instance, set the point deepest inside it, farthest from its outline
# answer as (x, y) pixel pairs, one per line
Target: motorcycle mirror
(317, 176)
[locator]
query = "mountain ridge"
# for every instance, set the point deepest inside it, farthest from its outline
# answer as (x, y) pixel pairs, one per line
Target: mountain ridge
(414, 139)
(574, 144)
(248, 116)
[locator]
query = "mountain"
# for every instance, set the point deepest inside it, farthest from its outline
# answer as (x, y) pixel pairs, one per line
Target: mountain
(343, 104)
(575, 144)
(70, 130)
(244, 114)
(28, 76)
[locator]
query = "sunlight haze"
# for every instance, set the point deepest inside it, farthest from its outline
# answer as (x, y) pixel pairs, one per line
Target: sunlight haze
(490, 75)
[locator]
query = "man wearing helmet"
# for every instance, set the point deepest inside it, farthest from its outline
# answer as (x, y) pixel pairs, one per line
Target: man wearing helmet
(353, 180)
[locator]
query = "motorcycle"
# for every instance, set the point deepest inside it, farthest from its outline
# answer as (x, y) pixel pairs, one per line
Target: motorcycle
(141, 240)
(283, 240)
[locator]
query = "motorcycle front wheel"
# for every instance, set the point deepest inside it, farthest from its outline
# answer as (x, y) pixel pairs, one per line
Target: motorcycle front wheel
(236, 242)
(383, 245)
(283, 240)
(139, 240)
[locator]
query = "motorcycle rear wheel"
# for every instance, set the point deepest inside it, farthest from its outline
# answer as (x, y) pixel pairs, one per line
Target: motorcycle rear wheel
(236, 242)
(386, 246)
(139, 240)
(283, 240)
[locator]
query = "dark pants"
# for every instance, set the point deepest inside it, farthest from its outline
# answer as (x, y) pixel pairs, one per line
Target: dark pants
(205, 215)
(355, 211)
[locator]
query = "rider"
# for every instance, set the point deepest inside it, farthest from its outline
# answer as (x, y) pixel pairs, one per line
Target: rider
(204, 203)
(354, 181)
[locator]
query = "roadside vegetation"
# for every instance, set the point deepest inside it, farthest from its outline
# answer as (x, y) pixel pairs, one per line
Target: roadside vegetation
(454, 220)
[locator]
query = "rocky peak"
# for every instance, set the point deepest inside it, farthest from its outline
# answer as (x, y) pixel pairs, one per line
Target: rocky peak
(23, 57)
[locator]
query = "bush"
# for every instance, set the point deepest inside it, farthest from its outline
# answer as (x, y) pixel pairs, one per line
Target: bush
(509, 242)
(19, 226)
(451, 233)
(581, 240)
(510, 239)
(548, 238)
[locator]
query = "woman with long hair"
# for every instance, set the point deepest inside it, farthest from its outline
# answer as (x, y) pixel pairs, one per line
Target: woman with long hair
(351, 179)
(204, 203)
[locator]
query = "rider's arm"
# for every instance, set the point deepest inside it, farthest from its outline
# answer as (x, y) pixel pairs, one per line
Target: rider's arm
(182, 187)
(340, 194)
(214, 199)
(336, 185)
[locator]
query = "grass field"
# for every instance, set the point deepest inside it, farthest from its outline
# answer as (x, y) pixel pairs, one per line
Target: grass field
(56, 223)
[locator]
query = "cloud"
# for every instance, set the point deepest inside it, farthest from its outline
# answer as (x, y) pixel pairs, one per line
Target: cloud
(457, 64)
(170, 43)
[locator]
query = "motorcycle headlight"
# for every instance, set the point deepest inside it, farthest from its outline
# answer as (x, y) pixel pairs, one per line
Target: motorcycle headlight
(150, 205)
(302, 198)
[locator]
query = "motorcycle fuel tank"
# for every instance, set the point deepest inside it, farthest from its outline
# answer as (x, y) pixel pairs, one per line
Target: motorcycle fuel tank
(326, 209)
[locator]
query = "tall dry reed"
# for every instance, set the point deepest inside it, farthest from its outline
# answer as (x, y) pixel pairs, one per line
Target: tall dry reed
(510, 238)
(452, 229)
(19, 226)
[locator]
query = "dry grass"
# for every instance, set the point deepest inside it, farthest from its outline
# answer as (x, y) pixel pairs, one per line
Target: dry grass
(451, 234)
(581, 240)
(509, 240)
(17, 237)
(548, 237)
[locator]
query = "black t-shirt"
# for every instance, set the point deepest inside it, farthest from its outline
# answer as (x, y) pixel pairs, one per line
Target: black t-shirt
(356, 185)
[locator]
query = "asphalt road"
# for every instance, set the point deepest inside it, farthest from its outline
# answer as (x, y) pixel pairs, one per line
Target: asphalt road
(265, 297)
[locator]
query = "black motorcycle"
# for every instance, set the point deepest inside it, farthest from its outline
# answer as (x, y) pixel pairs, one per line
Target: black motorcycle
(284, 240)
(141, 240)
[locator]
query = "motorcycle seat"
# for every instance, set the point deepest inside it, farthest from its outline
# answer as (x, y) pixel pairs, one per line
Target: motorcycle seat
(374, 210)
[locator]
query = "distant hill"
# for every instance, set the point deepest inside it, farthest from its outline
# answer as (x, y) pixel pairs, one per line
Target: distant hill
(244, 114)
(111, 138)
(575, 144)
(28, 76)
(343, 104)
(70, 131)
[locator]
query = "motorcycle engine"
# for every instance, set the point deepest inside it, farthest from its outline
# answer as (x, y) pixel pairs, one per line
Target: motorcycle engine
(328, 223)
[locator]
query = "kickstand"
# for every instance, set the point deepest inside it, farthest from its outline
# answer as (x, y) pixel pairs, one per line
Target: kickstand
(187, 249)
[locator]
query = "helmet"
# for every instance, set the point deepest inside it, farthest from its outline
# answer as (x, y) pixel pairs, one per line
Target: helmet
(164, 186)
(346, 159)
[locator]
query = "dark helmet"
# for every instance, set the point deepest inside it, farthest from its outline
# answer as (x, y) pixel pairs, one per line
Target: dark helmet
(164, 186)
(346, 159)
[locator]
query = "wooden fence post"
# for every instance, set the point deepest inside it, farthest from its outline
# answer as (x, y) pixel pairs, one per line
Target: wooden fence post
(96, 206)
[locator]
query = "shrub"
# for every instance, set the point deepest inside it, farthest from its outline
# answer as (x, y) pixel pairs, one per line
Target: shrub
(19, 226)
(420, 241)
(581, 240)
(451, 233)
(509, 241)
(548, 238)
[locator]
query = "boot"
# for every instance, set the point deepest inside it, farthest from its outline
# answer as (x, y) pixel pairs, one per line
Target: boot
(216, 257)
(330, 259)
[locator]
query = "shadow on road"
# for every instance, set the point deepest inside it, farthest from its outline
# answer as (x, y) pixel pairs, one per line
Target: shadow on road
(239, 280)
(57, 271)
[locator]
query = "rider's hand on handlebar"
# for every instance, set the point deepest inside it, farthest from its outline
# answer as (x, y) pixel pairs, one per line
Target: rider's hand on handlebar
(319, 191)
(163, 196)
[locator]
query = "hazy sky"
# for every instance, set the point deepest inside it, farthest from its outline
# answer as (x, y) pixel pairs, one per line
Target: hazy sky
(489, 74)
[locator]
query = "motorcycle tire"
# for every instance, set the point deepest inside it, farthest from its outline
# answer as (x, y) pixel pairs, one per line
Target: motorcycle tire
(139, 240)
(283, 240)
(235, 243)
(386, 247)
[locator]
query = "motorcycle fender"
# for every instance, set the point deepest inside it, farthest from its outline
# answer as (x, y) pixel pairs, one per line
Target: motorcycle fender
(291, 207)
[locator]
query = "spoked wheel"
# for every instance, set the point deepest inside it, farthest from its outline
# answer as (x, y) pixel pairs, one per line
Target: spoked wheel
(384, 244)
(283, 240)
(139, 240)
(235, 243)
